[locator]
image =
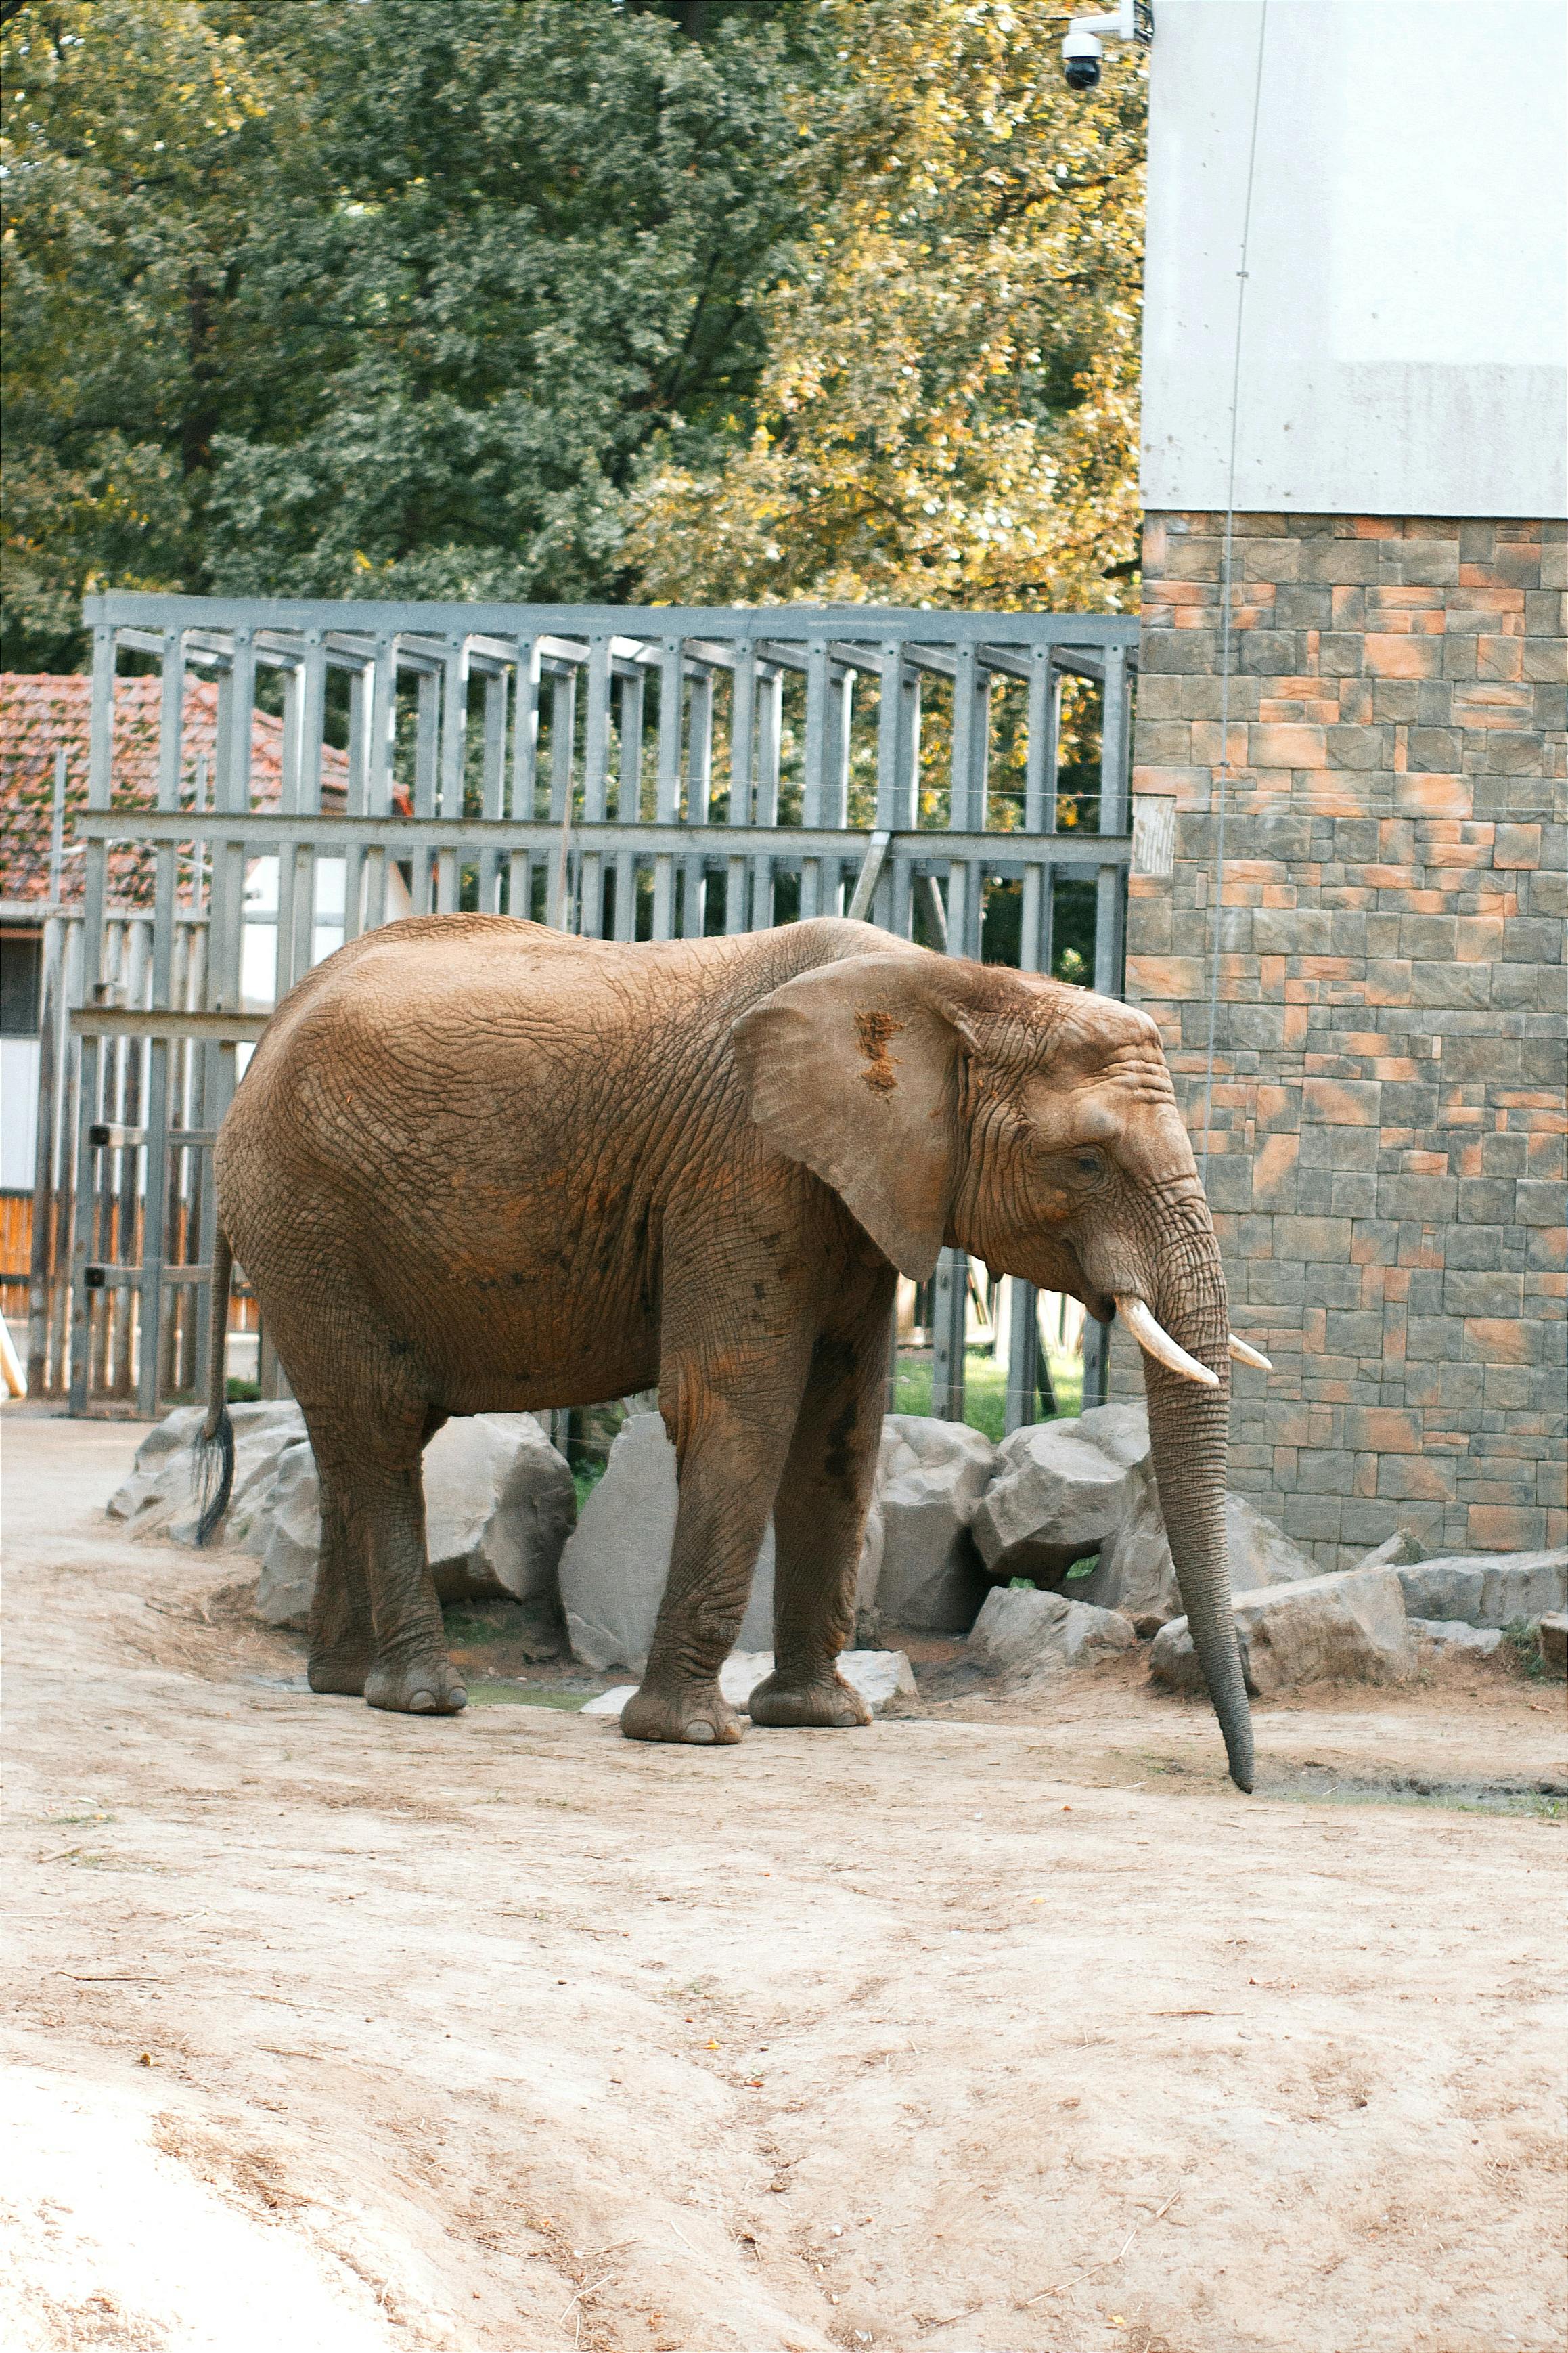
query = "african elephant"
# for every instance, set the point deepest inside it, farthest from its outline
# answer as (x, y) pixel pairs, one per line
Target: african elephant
(477, 1166)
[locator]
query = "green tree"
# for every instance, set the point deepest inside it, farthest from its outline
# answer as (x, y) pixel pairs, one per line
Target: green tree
(135, 134)
(948, 412)
(379, 299)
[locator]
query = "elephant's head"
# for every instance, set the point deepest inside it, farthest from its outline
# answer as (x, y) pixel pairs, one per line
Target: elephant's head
(1034, 1125)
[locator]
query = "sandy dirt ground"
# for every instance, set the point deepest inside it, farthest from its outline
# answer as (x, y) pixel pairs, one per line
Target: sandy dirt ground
(984, 2028)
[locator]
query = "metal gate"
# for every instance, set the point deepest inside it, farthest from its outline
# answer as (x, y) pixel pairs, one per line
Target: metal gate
(620, 772)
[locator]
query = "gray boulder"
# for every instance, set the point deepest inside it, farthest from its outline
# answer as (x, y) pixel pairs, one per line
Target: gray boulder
(616, 1562)
(1397, 1551)
(286, 1530)
(1022, 1636)
(1553, 1632)
(1135, 1573)
(931, 1478)
(1061, 1490)
(1489, 1589)
(159, 1498)
(1349, 1627)
(499, 1505)
(1450, 1638)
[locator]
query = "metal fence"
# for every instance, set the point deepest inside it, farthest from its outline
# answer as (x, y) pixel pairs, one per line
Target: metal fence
(625, 773)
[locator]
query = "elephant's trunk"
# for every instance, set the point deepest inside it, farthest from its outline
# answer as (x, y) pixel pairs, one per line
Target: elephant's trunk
(1189, 1433)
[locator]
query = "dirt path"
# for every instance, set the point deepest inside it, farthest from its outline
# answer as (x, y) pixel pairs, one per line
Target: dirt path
(986, 2031)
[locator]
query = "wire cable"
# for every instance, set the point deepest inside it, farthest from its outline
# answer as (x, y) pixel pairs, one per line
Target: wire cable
(1221, 773)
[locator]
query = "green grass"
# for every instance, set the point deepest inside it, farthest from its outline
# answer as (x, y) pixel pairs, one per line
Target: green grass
(985, 1389)
(1521, 1648)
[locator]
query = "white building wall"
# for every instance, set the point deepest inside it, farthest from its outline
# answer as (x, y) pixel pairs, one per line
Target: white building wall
(18, 1112)
(1406, 328)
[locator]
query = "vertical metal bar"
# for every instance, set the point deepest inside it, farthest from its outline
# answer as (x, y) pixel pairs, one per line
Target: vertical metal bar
(698, 799)
(493, 785)
(1110, 888)
(961, 770)
(770, 730)
(1022, 1407)
(40, 1266)
(891, 816)
(426, 756)
(743, 731)
(356, 795)
(524, 774)
(815, 762)
(671, 696)
(1113, 779)
(1037, 731)
(99, 790)
(154, 1210)
(949, 1309)
(596, 781)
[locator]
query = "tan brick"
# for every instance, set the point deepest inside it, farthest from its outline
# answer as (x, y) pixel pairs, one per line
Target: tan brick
(1517, 846)
(1287, 747)
(1396, 655)
(1385, 1429)
(1338, 1103)
(1498, 1340)
(1433, 796)
(1274, 1172)
(1504, 1527)
(1500, 658)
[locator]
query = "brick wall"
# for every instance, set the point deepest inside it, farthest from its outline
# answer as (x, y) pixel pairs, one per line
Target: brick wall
(1387, 1149)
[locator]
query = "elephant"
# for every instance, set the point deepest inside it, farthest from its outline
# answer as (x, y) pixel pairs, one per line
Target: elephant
(477, 1164)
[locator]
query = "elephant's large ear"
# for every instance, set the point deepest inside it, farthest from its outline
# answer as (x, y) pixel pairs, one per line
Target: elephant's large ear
(853, 1069)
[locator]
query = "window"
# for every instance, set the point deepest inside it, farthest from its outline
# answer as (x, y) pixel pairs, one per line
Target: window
(21, 961)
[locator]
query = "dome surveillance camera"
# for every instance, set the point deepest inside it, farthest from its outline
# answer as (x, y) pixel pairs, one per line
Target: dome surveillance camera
(1082, 54)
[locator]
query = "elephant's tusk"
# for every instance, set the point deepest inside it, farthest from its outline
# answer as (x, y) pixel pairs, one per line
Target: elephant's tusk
(1243, 1354)
(1159, 1344)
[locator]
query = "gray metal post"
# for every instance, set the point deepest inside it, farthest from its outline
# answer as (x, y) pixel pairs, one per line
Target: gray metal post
(44, 1242)
(1023, 1356)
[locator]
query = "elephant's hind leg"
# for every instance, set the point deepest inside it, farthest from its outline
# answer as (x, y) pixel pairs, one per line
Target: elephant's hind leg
(819, 1520)
(343, 1627)
(372, 1483)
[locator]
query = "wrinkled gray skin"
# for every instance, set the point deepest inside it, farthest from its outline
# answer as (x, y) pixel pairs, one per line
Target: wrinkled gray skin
(477, 1167)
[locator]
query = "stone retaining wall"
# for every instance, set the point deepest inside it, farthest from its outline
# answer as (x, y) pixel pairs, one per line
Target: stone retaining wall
(1386, 1147)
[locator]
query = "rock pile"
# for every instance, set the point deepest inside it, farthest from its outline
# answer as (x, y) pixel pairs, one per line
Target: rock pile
(499, 1504)
(1345, 1627)
(954, 1521)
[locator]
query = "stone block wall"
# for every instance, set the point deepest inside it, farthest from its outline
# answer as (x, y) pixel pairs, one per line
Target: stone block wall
(1386, 1141)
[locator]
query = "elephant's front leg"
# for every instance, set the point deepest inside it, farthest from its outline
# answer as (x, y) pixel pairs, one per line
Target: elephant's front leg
(730, 1451)
(819, 1517)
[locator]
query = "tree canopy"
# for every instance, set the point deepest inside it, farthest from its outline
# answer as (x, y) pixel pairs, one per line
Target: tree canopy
(563, 299)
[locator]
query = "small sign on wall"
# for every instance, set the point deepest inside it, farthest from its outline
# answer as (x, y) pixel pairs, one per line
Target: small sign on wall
(1154, 833)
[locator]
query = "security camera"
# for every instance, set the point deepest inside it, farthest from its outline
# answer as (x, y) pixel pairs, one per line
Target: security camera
(1082, 51)
(1082, 54)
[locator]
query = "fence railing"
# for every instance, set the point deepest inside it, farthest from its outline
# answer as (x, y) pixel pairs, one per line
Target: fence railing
(625, 773)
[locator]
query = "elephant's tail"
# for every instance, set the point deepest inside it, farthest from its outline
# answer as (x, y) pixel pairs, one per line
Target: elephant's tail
(214, 1441)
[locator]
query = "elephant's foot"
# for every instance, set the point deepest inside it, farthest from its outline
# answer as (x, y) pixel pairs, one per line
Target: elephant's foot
(831, 1702)
(697, 1713)
(427, 1685)
(341, 1668)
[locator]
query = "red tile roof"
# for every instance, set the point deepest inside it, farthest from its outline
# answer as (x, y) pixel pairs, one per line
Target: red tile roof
(39, 713)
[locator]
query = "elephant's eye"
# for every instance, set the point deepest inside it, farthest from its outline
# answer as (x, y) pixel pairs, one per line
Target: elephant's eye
(1087, 1165)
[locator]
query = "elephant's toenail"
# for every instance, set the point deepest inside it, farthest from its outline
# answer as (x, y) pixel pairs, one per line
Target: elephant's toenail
(698, 1735)
(423, 1703)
